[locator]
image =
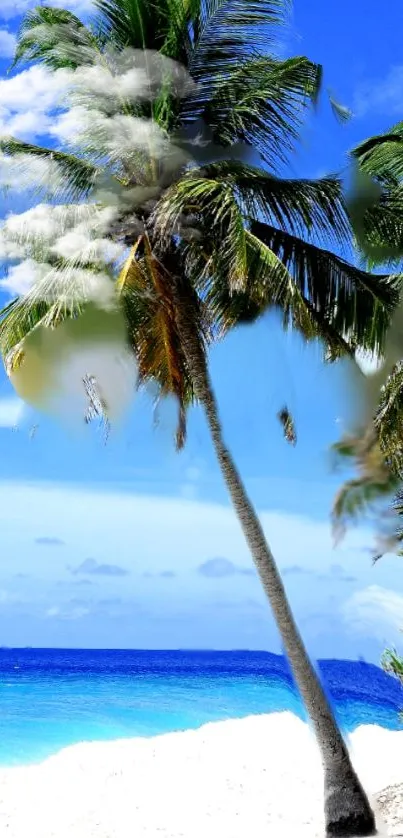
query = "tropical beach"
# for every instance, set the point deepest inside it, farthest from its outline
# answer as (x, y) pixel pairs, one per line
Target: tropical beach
(220, 780)
(201, 250)
(218, 777)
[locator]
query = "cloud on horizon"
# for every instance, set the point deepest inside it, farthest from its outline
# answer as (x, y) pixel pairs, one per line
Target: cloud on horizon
(173, 543)
(220, 567)
(50, 541)
(335, 572)
(91, 567)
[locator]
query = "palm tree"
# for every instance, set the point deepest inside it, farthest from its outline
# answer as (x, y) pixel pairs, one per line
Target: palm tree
(213, 241)
(377, 452)
(377, 202)
(376, 209)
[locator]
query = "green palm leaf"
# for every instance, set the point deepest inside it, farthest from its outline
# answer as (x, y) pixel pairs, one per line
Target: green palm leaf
(56, 38)
(134, 23)
(226, 27)
(76, 176)
(313, 208)
(357, 305)
(260, 102)
(376, 483)
(382, 156)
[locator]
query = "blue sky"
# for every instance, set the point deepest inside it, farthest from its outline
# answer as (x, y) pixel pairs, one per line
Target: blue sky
(133, 545)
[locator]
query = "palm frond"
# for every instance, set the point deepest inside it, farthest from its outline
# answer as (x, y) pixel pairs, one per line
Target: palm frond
(376, 483)
(209, 205)
(133, 23)
(268, 285)
(381, 156)
(392, 662)
(56, 38)
(72, 178)
(225, 28)
(22, 317)
(288, 425)
(340, 112)
(355, 303)
(356, 497)
(145, 290)
(307, 208)
(260, 102)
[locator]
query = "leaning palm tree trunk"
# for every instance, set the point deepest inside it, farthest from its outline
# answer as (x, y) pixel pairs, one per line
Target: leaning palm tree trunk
(347, 810)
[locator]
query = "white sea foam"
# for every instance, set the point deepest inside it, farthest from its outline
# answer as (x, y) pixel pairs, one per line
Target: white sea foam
(258, 776)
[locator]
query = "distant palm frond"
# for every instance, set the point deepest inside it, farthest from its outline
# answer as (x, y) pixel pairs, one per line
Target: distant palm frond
(288, 425)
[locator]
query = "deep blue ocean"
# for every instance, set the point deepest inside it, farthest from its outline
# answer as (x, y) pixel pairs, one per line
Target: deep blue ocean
(52, 698)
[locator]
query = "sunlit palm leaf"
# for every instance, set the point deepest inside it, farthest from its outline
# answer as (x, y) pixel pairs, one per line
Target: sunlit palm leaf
(145, 291)
(22, 316)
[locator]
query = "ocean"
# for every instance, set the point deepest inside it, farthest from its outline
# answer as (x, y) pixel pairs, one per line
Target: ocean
(54, 698)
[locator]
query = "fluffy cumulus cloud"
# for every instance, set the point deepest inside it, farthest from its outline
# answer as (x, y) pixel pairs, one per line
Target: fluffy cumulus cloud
(85, 105)
(376, 611)
(28, 99)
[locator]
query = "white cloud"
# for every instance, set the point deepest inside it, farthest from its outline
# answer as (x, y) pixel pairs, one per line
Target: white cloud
(7, 43)
(11, 412)
(28, 98)
(383, 96)
(120, 136)
(21, 277)
(57, 612)
(374, 611)
(10, 9)
(170, 532)
(293, 538)
(36, 87)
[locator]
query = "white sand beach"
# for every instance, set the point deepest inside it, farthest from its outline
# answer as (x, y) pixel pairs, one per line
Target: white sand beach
(260, 776)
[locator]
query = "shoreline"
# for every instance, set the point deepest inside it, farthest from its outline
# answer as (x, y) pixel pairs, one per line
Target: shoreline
(125, 740)
(216, 780)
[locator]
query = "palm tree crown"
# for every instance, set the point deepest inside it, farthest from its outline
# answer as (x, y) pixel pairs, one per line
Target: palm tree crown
(244, 238)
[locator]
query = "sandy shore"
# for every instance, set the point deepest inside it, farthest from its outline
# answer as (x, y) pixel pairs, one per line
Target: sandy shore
(260, 776)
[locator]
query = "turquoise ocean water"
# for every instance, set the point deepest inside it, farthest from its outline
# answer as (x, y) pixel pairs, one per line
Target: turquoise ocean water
(53, 698)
